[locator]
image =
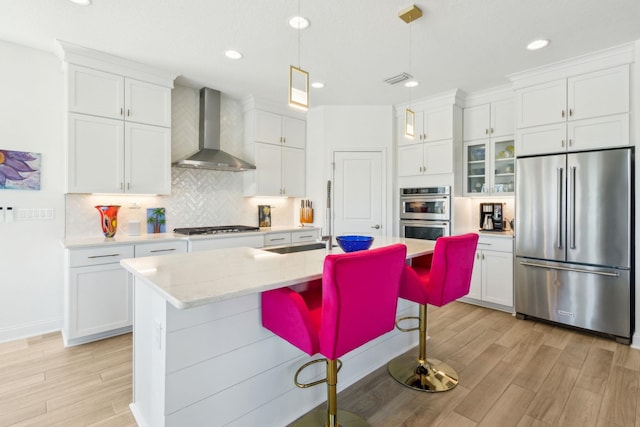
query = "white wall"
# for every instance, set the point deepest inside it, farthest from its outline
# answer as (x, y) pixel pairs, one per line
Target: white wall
(31, 256)
(330, 128)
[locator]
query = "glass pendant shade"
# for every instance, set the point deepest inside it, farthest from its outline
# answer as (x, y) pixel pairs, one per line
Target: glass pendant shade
(298, 87)
(409, 123)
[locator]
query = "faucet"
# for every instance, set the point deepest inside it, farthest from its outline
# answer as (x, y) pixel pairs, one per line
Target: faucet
(328, 238)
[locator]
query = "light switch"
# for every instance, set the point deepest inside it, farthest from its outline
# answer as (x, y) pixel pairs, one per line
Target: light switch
(1, 214)
(8, 216)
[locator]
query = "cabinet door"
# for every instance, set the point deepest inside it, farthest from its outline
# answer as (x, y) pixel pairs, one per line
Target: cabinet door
(95, 92)
(497, 280)
(147, 103)
(438, 157)
(476, 122)
(294, 132)
(95, 155)
(438, 124)
(99, 299)
(599, 132)
(542, 104)
(268, 169)
(147, 159)
(418, 129)
(293, 172)
(410, 160)
(502, 166)
(475, 290)
(502, 118)
(268, 127)
(598, 94)
(541, 139)
(476, 166)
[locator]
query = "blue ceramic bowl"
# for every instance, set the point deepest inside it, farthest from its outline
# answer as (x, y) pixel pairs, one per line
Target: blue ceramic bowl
(354, 243)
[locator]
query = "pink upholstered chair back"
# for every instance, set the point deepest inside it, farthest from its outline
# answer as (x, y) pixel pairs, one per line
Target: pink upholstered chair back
(359, 297)
(451, 267)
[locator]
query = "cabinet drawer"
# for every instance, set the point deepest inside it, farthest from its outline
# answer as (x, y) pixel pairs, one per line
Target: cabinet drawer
(161, 248)
(495, 244)
(304, 236)
(99, 255)
(277, 239)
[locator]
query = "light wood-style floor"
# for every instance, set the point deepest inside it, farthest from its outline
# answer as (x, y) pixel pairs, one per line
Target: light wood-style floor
(512, 373)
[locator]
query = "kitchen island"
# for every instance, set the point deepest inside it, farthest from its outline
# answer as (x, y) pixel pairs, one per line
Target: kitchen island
(201, 355)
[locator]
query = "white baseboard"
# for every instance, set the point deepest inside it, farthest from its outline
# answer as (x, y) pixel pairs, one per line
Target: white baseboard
(635, 340)
(29, 329)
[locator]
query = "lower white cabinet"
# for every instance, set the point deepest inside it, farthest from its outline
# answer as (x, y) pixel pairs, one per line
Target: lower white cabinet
(98, 292)
(290, 238)
(252, 241)
(492, 278)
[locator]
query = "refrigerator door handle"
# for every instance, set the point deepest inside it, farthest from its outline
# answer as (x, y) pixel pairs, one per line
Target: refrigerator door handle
(572, 226)
(577, 270)
(559, 210)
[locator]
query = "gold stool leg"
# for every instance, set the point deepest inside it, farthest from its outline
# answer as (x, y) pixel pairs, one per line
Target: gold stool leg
(423, 374)
(332, 417)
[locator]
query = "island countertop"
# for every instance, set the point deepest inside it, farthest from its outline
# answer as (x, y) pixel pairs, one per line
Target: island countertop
(199, 278)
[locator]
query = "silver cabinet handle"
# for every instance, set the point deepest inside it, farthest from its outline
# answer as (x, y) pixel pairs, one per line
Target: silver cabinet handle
(128, 186)
(486, 131)
(559, 210)
(562, 143)
(121, 111)
(305, 237)
(377, 227)
(572, 226)
(162, 250)
(570, 142)
(576, 270)
(102, 256)
(477, 255)
(122, 186)
(483, 256)
(570, 112)
(491, 130)
(563, 114)
(128, 112)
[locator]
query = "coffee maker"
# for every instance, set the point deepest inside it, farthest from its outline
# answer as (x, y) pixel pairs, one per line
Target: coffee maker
(491, 218)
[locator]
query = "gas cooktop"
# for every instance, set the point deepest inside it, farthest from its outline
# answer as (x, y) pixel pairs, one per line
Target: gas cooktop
(215, 230)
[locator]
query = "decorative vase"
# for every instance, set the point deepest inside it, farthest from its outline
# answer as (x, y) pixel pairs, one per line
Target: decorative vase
(108, 219)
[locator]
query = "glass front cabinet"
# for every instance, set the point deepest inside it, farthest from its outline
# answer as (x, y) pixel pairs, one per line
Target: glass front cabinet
(489, 167)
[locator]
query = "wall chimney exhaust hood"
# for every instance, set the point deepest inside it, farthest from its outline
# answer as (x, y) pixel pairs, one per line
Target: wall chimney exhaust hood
(210, 155)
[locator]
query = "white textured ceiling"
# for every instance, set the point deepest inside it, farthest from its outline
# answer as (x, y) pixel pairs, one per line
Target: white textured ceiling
(351, 45)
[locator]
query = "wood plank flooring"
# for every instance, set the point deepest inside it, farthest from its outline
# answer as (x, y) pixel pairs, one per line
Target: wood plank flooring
(512, 373)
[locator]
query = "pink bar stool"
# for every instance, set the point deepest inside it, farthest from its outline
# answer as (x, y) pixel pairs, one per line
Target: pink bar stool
(355, 303)
(438, 279)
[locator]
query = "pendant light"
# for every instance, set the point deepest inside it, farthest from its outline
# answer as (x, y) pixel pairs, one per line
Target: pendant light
(409, 15)
(298, 78)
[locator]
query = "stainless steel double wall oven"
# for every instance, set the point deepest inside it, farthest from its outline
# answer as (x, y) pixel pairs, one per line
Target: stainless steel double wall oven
(425, 212)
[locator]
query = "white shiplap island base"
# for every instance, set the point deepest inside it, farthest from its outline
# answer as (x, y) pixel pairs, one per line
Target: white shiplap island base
(201, 355)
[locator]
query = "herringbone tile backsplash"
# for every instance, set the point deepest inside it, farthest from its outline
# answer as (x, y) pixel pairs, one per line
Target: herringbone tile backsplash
(198, 197)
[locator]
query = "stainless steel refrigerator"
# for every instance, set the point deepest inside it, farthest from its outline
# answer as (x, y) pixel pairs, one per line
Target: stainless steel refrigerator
(574, 225)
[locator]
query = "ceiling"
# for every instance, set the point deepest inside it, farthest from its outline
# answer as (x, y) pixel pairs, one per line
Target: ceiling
(351, 46)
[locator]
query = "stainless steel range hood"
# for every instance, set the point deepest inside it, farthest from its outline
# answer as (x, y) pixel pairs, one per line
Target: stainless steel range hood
(210, 155)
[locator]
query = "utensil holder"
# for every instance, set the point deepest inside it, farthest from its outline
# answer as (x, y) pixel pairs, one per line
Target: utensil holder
(306, 216)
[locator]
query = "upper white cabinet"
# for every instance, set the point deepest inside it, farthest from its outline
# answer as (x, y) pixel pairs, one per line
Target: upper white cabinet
(580, 112)
(276, 145)
(110, 95)
(425, 158)
(488, 120)
(273, 128)
(431, 124)
(118, 124)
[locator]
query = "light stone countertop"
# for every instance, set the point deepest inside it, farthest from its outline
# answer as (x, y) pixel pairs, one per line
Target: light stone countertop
(199, 278)
(124, 239)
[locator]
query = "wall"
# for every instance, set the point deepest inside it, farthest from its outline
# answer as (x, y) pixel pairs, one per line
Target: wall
(346, 127)
(198, 197)
(31, 256)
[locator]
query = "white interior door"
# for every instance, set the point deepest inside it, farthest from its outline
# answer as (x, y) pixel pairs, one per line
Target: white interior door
(358, 193)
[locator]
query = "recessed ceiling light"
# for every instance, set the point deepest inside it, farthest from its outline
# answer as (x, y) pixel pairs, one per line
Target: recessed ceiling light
(299, 22)
(81, 2)
(538, 44)
(233, 54)
(317, 85)
(411, 83)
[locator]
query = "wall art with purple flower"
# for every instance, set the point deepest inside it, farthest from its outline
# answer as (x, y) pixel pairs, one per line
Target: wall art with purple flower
(19, 170)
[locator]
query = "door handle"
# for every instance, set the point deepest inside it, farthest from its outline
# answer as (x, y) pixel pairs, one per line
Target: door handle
(377, 227)
(559, 210)
(572, 227)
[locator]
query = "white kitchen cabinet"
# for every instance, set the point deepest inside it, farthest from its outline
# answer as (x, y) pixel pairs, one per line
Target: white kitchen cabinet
(305, 236)
(432, 124)
(489, 166)
(488, 120)
(280, 171)
(577, 113)
(112, 156)
(98, 293)
(272, 128)
(425, 158)
(290, 237)
(205, 244)
(492, 277)
(104, 94)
